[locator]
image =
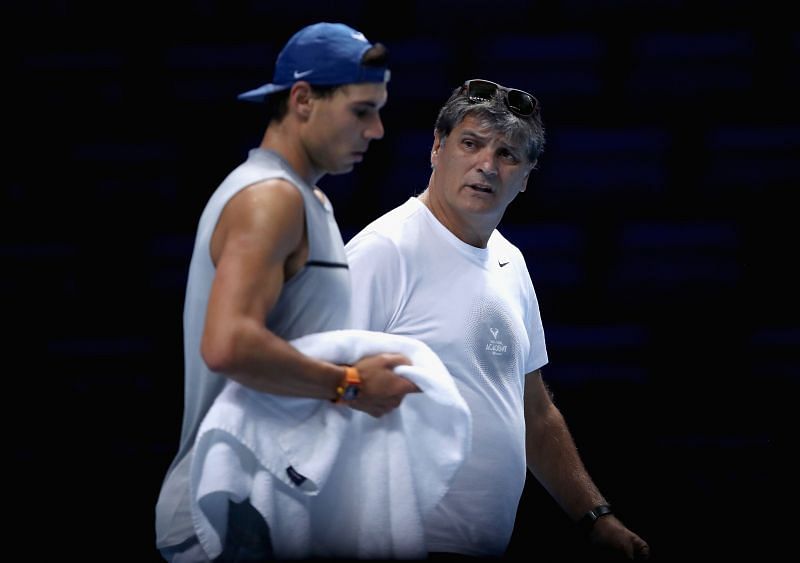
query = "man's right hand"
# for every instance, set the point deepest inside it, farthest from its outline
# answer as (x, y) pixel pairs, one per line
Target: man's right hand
(382, 390)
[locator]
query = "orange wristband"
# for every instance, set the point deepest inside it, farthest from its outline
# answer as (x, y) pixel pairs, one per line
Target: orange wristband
(348, 389)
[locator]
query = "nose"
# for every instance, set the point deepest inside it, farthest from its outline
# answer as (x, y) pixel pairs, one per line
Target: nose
(487, 164)
(375, 129)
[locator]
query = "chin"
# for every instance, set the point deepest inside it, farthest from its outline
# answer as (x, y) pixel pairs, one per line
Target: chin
(343, 169)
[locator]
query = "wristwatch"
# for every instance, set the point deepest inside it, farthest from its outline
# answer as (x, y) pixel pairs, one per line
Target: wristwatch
(349, 387)
(587, 522)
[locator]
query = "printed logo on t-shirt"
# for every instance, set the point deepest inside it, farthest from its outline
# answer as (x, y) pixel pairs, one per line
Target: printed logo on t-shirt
(491, 342)
(496, 346)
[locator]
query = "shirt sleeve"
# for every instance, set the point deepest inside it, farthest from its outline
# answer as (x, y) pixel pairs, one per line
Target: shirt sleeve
(537, 356)
(375, 274)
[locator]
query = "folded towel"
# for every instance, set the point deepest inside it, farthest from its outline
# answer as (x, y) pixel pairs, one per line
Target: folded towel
(328, 480)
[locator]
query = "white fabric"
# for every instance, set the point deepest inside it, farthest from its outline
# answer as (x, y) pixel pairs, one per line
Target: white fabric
(316, 299)
(477, 309)
(368, 482)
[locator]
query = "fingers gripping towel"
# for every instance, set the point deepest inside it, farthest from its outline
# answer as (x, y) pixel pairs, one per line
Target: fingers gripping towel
(328, 480)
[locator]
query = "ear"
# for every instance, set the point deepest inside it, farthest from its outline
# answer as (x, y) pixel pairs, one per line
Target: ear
(300, 98)
(527, 176)
(437, 144)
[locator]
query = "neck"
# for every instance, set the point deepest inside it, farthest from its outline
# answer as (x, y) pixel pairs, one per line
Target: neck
(472, 230)
(287, 143)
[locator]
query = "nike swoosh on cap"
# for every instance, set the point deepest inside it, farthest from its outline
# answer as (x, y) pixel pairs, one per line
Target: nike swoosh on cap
(299, 75)
(360, 36)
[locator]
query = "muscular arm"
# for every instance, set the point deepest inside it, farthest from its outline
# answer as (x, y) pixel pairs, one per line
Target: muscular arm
(553, 459)
(257, 244)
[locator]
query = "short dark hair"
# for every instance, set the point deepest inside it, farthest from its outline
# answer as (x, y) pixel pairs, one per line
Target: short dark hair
(276, 104)
(527, 130)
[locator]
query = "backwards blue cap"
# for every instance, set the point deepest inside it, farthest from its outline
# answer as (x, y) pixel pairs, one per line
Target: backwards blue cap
(323, 54)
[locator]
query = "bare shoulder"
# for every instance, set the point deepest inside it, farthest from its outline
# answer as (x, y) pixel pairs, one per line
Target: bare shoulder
(268, 213)
(275, 196)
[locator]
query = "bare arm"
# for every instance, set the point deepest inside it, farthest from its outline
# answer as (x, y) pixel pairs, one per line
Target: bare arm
(258, 243)
(553, 459)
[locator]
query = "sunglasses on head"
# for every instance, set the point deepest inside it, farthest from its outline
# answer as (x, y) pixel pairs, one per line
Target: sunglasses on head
(518, 101)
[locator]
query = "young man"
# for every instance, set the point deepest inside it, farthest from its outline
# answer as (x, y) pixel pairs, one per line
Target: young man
(269, 265)
(435, 268)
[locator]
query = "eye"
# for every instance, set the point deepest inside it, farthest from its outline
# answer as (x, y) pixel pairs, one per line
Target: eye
(364, 111)
(508, 156)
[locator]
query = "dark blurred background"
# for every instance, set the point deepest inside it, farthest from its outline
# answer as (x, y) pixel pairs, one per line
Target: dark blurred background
(660, 232)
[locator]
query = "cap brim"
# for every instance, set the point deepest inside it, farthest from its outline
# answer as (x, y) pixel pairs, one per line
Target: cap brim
(262, 92)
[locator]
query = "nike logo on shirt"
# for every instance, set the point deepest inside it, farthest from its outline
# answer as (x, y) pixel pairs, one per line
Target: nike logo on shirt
(502, 263)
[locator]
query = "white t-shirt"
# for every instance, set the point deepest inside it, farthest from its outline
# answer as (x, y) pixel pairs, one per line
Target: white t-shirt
(477, 309)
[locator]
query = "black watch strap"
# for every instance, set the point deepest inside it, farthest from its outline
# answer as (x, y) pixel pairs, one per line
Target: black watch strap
(587, 522)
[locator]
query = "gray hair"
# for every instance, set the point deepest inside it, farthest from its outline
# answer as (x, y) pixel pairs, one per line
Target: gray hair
(526, 131)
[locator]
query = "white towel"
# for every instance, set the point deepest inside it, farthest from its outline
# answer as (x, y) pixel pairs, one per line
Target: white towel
(331, 481)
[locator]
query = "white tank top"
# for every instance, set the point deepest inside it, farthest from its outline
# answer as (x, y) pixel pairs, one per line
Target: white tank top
(315, 299)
